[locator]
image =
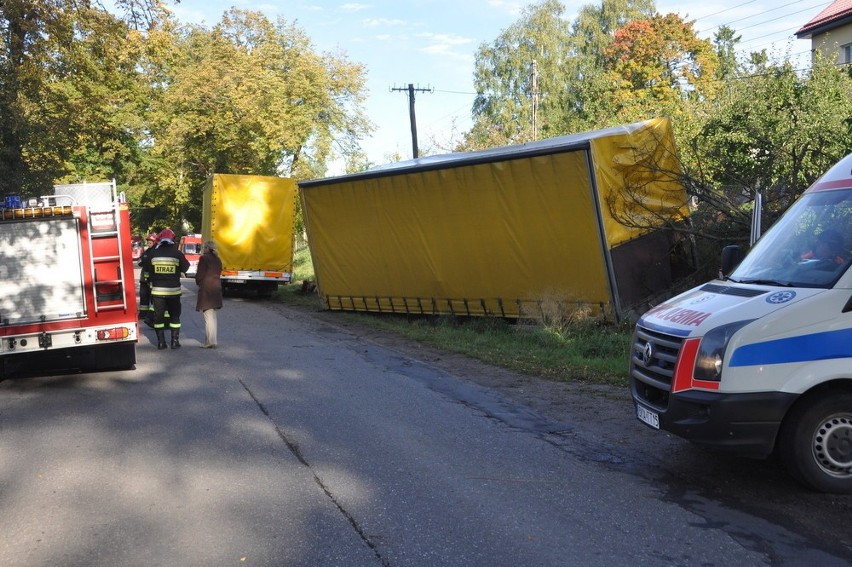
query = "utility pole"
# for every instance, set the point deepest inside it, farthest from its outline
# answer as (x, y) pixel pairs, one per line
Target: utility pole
(411, 90)
(535, 99)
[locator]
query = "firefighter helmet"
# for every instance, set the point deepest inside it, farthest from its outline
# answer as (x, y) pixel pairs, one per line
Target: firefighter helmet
(152, 238)
(167, 235)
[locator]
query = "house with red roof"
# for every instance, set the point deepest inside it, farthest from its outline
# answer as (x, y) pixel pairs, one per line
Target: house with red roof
(830, 32)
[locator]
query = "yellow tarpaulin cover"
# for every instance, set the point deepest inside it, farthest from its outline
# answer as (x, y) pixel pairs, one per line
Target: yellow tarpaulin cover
(251, 218)
(636, 171)
(495, 232)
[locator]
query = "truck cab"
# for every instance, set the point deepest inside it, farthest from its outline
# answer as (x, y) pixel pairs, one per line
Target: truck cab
(760, 360)
(190, 245)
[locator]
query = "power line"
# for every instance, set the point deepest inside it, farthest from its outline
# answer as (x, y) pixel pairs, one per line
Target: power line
(762, 22)
(453, 92)
(753, 44)
(773, 10)
(776, 19)
(725, 10)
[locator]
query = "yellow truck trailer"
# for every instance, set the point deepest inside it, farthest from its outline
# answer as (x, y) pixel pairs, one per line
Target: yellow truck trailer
(251, 218)
(573, 219)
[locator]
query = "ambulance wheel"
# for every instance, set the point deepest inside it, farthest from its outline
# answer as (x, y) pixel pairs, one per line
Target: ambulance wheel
(815, 442)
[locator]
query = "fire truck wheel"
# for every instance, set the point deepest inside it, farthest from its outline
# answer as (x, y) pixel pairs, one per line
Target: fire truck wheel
(815, 442)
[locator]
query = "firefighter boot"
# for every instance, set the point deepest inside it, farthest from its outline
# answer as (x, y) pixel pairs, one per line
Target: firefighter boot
(161, 339)
(175, 337)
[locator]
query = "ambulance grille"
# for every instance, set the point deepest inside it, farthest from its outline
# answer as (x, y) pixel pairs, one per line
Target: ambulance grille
(652, 364)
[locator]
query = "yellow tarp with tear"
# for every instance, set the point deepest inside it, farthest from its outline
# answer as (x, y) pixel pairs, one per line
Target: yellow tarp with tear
(503, 231)
(251, 218)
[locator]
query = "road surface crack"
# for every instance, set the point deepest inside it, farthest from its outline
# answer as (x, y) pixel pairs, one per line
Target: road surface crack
(294, 448)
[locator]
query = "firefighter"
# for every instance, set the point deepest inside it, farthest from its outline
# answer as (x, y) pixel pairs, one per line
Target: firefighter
(146, 308)
(164, 266)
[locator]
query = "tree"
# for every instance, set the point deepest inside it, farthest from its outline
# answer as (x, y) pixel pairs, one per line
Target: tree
(584, 98)
(656, 64)
(141, 14)
(252, 97)
(726, 40)
(69, 100)
(544, 76)
(531, 52)
(596, 25)
(774, 133)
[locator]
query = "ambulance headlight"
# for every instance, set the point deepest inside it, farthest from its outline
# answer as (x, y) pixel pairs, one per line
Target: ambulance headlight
(711, 351)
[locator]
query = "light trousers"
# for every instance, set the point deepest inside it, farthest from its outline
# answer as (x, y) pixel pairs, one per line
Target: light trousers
(210, 327)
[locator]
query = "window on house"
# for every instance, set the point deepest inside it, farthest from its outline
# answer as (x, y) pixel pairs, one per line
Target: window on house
(846, 53)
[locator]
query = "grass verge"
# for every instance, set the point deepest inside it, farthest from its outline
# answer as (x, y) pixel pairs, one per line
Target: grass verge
(572, 349)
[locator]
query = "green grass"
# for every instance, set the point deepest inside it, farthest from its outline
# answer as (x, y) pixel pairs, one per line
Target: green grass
(573, 349)
(303, 269)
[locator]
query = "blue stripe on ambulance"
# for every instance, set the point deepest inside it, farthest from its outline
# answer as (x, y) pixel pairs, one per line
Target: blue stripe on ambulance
(817, 346)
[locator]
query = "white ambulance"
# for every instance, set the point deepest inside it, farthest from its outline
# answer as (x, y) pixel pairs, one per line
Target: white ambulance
(761, 359)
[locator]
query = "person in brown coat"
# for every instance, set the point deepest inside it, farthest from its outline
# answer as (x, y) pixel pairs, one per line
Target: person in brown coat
(209, 290)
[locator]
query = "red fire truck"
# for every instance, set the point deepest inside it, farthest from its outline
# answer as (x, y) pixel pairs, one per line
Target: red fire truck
(67, 291)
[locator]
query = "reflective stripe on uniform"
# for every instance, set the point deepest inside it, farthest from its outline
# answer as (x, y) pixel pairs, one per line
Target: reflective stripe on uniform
(161, 291)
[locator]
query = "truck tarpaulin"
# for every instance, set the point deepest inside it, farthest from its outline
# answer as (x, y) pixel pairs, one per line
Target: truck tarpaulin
(251, 219)
(499, 231)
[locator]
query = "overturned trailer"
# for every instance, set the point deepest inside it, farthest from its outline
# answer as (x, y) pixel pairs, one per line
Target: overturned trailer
(577, 220)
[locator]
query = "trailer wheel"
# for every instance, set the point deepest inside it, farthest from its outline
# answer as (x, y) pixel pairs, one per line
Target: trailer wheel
(815, 442)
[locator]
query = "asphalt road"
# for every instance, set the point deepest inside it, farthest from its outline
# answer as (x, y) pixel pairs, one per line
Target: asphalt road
(303, 442)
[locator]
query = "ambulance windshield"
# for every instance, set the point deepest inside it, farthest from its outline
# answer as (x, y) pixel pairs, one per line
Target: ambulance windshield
(808, 247)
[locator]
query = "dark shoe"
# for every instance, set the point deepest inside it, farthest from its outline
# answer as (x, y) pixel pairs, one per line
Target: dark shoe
(161, 339)
(175, 337)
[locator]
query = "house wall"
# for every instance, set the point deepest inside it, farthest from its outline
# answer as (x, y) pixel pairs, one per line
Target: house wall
(829, 44)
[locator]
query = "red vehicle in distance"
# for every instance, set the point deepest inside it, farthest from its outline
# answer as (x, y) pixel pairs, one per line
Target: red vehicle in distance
(190, 245)
(137, 246)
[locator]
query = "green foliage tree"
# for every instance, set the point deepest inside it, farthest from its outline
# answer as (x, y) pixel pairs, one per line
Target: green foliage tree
(248, 96)
(87, 95)
(527, 60)
(141, 14)
(544, 76)
(726, 39)
(596, 25)
(586, 97)
(68, 98)
(774, 132)
(655, 65)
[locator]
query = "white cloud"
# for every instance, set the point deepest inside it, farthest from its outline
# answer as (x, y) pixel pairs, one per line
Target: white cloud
(380, 22)
(446, 45)
(353, 7)
(511, 7)
(446, 39)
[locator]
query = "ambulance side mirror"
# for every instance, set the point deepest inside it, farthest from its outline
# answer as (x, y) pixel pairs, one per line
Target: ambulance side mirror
(732, 255)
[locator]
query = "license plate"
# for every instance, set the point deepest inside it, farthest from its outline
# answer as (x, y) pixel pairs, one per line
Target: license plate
(647, 416)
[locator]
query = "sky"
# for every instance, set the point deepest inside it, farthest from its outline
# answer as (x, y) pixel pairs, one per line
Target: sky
(432, 45)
